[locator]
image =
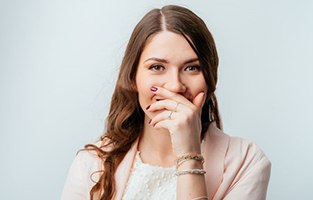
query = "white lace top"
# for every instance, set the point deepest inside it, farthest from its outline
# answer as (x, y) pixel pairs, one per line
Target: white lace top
(150, 182)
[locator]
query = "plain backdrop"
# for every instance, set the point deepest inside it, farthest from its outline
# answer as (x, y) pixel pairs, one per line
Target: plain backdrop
(58, 65)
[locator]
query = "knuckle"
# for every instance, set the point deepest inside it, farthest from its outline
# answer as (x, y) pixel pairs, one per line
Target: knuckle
(172, 95)
(177, 125)
(194, 108)
(190, 113)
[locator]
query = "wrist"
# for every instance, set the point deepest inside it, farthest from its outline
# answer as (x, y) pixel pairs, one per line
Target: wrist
(189, 151)
(190, 164)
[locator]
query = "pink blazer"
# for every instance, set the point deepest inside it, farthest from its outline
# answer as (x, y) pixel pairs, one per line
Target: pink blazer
(236, 169)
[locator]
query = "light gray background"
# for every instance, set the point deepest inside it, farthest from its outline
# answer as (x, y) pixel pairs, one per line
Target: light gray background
(59, 61)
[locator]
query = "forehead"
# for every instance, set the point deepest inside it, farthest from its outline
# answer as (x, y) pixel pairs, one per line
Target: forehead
(168, 45)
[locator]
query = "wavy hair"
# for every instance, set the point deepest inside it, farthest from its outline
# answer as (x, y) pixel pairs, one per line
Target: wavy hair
(125, 120)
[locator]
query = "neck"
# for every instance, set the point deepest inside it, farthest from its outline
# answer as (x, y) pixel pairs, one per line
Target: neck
(156, 146)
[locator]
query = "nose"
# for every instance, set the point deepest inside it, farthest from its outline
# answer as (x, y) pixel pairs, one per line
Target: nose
(174, 83)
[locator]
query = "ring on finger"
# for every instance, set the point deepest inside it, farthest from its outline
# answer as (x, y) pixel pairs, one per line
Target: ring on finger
(176, 106)
(170, 115)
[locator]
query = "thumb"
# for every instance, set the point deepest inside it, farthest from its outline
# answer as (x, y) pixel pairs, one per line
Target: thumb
(198, 101)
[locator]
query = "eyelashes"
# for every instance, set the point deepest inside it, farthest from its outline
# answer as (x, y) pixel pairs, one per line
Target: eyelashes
(193, 68)
(160, 67)
(156, 67)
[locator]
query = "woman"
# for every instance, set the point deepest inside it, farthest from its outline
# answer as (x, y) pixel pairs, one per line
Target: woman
(163, 137)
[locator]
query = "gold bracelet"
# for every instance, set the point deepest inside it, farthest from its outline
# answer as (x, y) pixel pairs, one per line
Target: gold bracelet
(199, 198)
(197, 157)
(180, 160)
(193, 171)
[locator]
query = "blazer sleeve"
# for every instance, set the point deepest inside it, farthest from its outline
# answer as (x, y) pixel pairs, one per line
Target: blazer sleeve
(251, 177)
(252, 186)
(81, 177)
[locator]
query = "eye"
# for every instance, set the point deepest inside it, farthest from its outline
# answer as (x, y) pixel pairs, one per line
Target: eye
(193, 68)
(156, 67)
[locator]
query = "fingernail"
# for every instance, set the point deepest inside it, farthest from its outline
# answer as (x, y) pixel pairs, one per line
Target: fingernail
(148, 107)
(153, 89)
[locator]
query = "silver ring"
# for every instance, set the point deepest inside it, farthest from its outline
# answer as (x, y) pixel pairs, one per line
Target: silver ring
(176, 107)
(170, 115)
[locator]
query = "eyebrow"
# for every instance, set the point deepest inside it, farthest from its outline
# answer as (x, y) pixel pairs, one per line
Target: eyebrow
(165, 61)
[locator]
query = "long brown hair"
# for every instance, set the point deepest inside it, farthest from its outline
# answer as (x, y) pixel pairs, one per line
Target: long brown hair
(125, 120)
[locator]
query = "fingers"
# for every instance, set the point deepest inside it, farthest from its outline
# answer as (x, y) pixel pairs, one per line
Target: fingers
(199, 100)
(164, 104)
(174, 107)
(169, 95)
(163, 117)
(180, 116)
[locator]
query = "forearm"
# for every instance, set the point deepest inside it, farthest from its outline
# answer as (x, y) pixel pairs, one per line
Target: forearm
(191, 186)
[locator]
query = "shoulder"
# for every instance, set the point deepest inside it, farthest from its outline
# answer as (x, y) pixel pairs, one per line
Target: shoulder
(245, 153)
(83, 173)
(87, 159)
(246, 169)
(234, 149)
(87, 156)
(244, 147)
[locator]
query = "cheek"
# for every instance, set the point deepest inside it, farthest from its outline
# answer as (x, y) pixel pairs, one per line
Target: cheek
(203, 85)
(199, 86)
(196, 87)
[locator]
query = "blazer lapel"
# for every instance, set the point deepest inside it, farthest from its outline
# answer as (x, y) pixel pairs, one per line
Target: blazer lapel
(214, 149)
(123, 171)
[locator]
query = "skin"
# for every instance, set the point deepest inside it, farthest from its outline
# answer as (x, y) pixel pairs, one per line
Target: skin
(170, 67)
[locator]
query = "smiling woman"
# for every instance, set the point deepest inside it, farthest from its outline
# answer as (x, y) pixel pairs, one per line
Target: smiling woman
(163, 138)
(168, 61)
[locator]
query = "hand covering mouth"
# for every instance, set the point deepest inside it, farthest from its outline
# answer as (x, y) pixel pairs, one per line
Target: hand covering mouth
(160, 99)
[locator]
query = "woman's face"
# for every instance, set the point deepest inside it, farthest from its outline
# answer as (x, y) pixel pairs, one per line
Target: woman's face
(168, 61)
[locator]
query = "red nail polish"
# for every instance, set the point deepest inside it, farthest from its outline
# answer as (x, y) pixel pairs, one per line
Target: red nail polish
(148, 107)
(153, 89)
